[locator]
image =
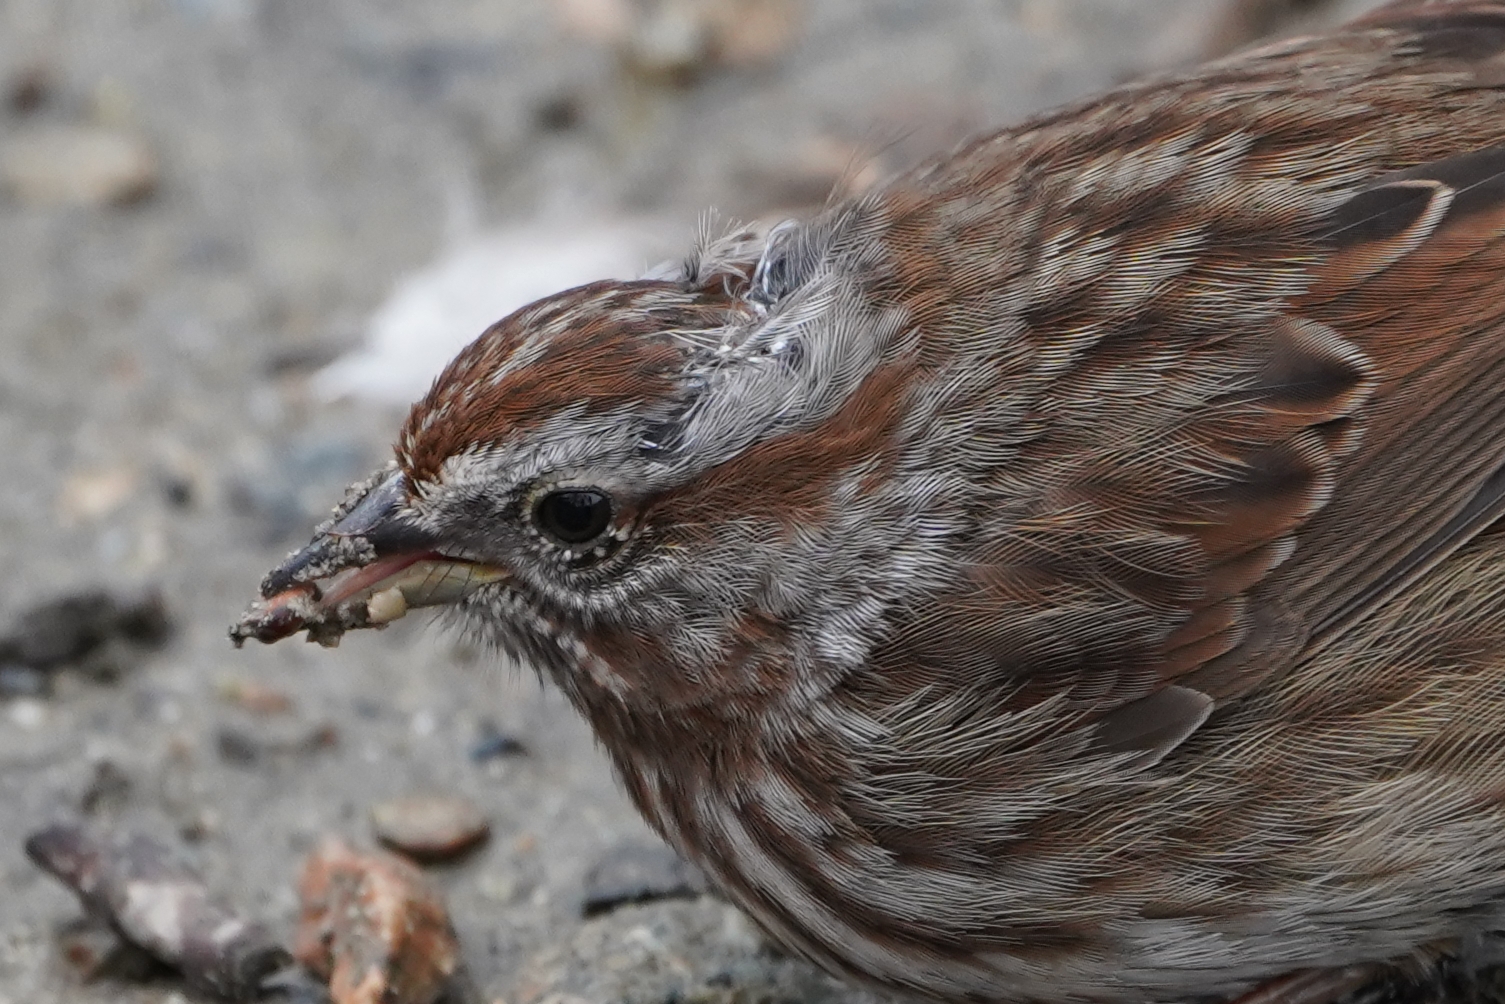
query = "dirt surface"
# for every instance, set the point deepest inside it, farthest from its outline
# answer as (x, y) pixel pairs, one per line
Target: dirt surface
(246, 181)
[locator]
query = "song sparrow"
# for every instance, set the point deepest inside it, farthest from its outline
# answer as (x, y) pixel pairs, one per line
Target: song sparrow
(1069, 572)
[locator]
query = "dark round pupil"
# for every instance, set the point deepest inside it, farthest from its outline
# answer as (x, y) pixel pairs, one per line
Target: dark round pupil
(574, 516)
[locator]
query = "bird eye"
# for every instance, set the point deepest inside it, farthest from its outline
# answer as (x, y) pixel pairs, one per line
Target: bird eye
(573, 515)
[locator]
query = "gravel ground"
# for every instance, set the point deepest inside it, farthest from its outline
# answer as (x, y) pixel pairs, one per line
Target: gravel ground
(246, 181)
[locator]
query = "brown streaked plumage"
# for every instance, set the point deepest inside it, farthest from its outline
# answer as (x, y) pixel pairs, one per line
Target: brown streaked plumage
(1071, 572)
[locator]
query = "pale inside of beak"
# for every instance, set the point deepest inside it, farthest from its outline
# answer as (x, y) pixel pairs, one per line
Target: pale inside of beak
(363, 596)
(390, 586)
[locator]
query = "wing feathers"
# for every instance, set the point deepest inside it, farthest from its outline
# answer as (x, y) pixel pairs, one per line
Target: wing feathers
(1433, 322)
(1267, 396)
(1377, 227)
(1366, 443)
(1153, 726)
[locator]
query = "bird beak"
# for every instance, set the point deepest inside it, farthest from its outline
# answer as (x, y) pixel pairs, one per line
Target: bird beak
(366, 569)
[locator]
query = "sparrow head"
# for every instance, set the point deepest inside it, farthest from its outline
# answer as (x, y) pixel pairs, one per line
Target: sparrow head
(641, 486)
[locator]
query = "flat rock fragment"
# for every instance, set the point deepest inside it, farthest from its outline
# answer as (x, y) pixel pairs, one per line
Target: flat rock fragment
(431, 827)
(373, 926)
(135, 885)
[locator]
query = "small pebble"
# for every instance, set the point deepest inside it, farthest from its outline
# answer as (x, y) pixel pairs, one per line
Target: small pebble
(299, 360)
(754, 32)
(198, 824)
(367, 708)
(371, 925)
(638, 873)
(28, 90)
(22, 681)
(245, 747)
(257, 698)
(108, 788)
(70, 629)
(671, 43)
(423, 723)
(91, 494)
(61, 630)
(430, 827)
(320, 737)
(28, 713)
(78, 166)
(237, 747)
(677, 41)
(492, 743)
(558, 113)
(177, 490)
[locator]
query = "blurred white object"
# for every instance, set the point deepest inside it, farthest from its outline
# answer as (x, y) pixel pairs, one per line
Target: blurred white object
(436, 311)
